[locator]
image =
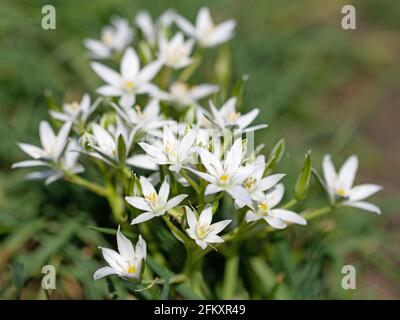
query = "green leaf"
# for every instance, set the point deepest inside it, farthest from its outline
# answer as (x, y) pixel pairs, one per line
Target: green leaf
(230, 277)
(187, 292)
(276, 154)
(264, 274)
(104, 230)
(121, 150)
(18, 275)
(303, 181)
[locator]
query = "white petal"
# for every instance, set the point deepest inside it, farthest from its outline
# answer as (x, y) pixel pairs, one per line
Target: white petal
(289, 216)
(245, 120)
(142, 161)
(62, 139)
(127, 100)
(213, 238)
(97, 48)
(206, 216)
(270, 181)
(203, 175)
(234, 157)
(329, 175)
(203, 19)
(241, 194)
(276, 195)
(28, 163)
(172, 203)
(113, 258)
(186, 144)
(251, 216)
(31, 150)
(275, 222)
(364, 206)
(363, 191)
(154, 152)
(104, 272)
(211, 189)
(125, 247)
(47, 136)
(164, 191)
(147, 187)
(202, 91)
(141, 248)
(107, 74)
(143, 217)
(149, 71)
(210, 162)
(109, 91)
(222, 32)
(138, 203)
(191, 218)
(185, 25)
(130, 64)
(202, 244)
(348, 172)
(217, 116)
(219, 226)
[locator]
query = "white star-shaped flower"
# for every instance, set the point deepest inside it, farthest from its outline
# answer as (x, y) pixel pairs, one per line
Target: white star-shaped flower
(131, 80)
(201, 230)
(275, 217)
(205, 31)
(154, 204)
(340, 185)
(127, 262)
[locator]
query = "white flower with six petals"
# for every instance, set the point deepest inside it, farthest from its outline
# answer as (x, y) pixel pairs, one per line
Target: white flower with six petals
(127, 262)
(154, 204)
(201, 230)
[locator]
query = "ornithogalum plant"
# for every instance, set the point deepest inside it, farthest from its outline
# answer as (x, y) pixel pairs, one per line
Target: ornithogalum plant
(168, 158)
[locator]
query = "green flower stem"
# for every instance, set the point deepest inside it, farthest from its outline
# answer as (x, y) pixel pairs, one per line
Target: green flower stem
(174, 279)
(175, 231)
(289, 204)
(230, 277)
(192, 183)
(93, 187)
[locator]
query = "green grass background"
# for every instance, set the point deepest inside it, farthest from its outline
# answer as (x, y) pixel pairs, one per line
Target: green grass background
(317, 85)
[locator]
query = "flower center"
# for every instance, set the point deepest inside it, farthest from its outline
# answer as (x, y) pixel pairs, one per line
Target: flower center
(233, 116)
(107, 38)
(152, 198)
(202, 230)
(263, 206)
(72, 107)
(132, 269)
(341, 192)
(249, 183)
(224, 178)
(129, 85)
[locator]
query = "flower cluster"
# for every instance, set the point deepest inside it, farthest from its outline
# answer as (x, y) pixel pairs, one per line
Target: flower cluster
(155, 128)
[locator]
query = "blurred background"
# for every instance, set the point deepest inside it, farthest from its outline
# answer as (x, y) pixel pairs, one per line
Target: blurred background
(319, 86)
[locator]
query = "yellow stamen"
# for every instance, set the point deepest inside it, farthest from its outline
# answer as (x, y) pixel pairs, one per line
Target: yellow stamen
(263, 206)
(129, 85)
(152, 197)
(108, 38)
(138, 110)
(233, 116)
(224, 178)
(132, 269)
(341, 192)
(249, 183)
(72, 107)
